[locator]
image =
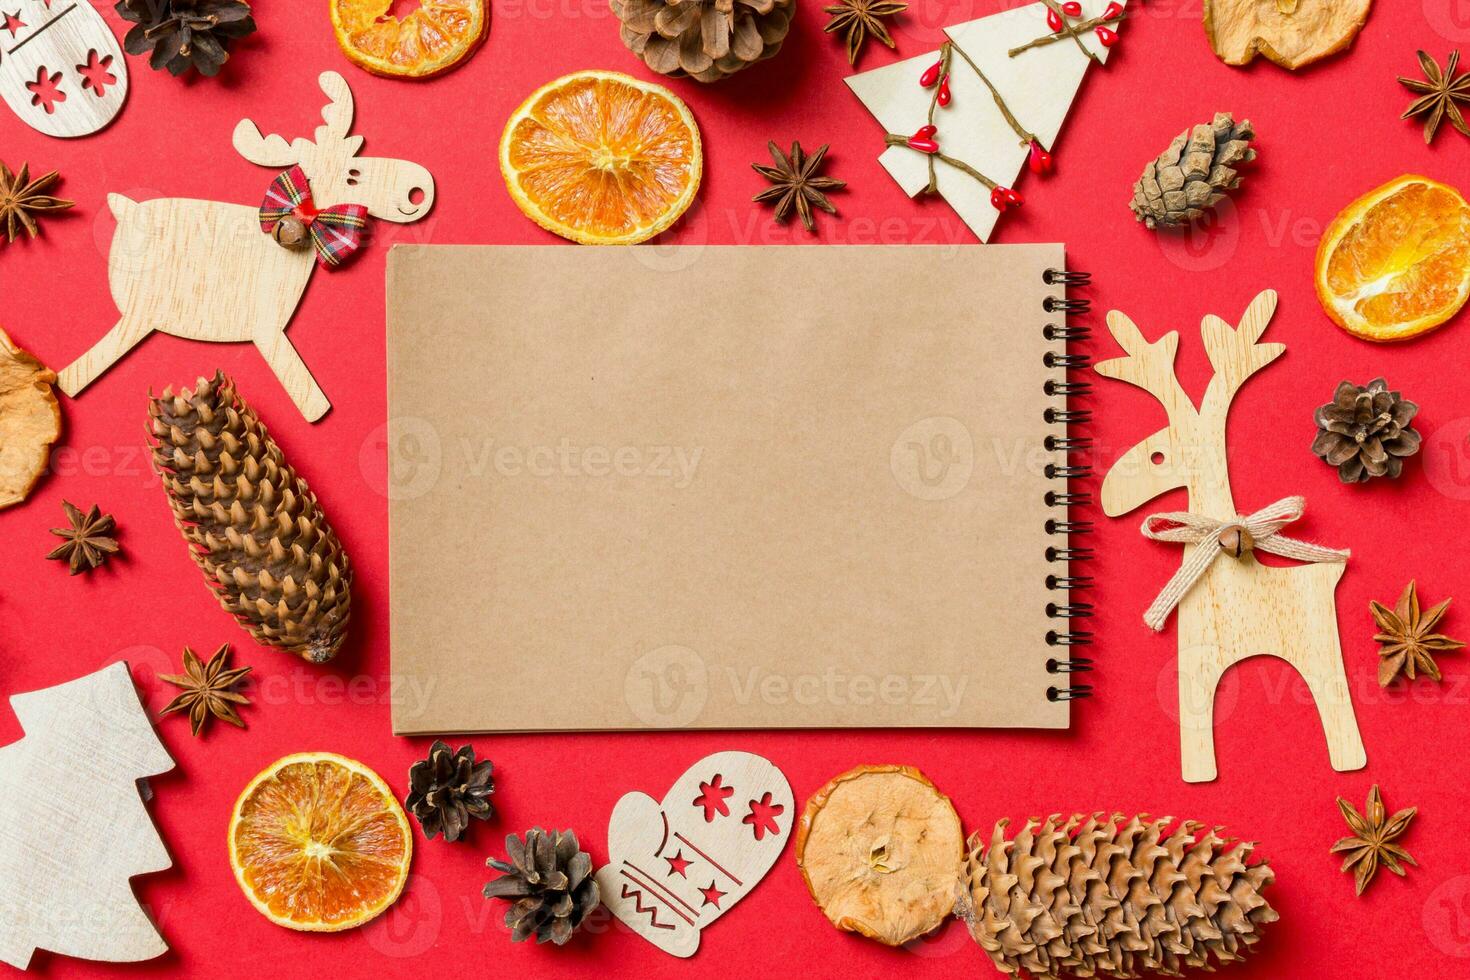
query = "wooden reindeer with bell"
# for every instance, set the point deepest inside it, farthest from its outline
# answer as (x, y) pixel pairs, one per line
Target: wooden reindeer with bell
(1231, 606)
(207, 270)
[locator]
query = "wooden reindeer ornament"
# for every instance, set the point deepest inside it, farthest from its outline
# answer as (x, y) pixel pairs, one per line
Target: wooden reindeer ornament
(206, 270)
(1231, 607)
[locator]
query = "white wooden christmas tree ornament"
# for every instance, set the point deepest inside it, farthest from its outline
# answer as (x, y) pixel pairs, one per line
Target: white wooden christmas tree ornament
(235, 273)
(73, 827)
(61, 68)
(676, 866)
(1036, 85)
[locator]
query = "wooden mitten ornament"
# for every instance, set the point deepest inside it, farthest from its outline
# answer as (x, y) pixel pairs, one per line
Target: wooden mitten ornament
(73, 828)
(61, 69)
(673, 867)
(230, 273)
(1231, 607)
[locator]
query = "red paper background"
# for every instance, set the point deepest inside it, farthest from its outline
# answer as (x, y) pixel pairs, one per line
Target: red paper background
(1326, 135)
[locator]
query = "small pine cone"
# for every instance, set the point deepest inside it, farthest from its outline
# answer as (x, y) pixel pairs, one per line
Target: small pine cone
(253, 526)
(1365, 432)
(549, 881)
(1094, 896)
(706, 40)
(1194, 173)
(448, 788)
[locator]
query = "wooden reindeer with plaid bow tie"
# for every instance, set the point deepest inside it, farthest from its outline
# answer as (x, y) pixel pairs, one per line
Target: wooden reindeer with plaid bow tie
(1231, 606)
(206, 270)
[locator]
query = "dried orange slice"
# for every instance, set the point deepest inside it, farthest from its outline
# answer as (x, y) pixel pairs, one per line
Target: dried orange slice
(881, 850)
(319, 843)
(602, 158)
(430, 39)
(1396, 262)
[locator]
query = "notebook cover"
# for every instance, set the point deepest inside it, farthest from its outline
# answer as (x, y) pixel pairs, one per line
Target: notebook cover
(719, 487)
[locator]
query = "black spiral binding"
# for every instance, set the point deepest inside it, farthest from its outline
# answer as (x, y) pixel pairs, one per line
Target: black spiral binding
(1069, 609)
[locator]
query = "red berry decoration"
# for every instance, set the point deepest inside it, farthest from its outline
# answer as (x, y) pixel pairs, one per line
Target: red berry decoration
(1115, 9)
(931, 75)
(1072, 8)
(1106, 37)
(1053, 19)
(1039, 160)
(926, 132)
(924, 144)
(1013, 198)
(943, 98)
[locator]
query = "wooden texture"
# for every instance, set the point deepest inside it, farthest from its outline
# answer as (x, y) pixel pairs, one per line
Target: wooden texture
(1037, 85)
(1240, 608)
(73, 828)
(204, 270)
(676, 866)
(48, 50)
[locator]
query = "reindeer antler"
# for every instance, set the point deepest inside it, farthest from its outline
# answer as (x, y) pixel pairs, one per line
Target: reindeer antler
(1148, 366)
(337, 113)
(1234, 353)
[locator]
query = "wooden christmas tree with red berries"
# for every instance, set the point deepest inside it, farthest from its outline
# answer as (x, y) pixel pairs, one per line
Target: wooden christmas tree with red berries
(962, 122)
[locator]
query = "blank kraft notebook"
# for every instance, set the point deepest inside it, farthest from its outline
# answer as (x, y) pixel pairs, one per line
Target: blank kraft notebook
(731, 487)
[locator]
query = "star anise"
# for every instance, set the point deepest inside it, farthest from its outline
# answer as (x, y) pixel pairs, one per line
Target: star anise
(22, 199)
(1407, 643)
(1372, 841)
(1439, 91)
(88, 542)
(797, 184)
(862, 19)
(207, 689)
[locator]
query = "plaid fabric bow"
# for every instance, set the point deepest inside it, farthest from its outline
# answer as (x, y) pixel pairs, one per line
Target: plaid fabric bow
(336, 232)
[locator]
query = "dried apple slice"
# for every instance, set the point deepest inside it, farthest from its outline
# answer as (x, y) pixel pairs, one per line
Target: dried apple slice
(1291, 33)
(880, 849)
(30, 421)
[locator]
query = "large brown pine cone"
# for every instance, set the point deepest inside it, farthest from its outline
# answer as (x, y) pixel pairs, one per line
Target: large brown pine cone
(704, 39)
(1193, 174)
(253, 526)
(1095, 896)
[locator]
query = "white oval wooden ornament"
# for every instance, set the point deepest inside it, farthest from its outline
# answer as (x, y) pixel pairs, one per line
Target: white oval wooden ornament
(61, 68)
(674, 867)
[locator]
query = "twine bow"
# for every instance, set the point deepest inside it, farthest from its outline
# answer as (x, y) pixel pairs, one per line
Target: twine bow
(336, 232)
(1211, 538)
